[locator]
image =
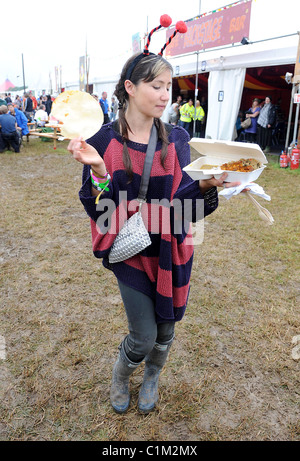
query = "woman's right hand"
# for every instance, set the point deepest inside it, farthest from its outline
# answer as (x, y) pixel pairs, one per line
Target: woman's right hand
(87, 155)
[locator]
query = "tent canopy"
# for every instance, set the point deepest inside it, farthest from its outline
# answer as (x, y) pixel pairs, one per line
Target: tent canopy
(7, 85)
(275, 52)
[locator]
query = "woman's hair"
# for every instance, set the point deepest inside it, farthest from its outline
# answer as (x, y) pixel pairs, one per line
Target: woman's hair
(146, 70)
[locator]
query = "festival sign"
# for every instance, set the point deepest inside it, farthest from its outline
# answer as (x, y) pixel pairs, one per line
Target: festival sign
(221, 27)
(136, 43)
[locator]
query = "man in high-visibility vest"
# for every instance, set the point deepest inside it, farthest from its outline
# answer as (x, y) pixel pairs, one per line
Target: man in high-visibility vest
(186, 115)
(199, 115)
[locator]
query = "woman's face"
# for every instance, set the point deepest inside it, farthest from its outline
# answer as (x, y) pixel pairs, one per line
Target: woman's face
(151, 98)
(267, 100)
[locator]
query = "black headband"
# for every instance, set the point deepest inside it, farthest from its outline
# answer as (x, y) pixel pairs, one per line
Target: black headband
(136, 60)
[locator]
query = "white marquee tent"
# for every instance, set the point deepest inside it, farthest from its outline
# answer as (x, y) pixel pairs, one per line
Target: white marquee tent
(227, 68)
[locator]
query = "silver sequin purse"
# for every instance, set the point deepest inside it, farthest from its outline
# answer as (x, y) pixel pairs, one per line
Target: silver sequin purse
(134, 237)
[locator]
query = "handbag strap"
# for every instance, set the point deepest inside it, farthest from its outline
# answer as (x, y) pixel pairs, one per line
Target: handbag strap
(148, 164)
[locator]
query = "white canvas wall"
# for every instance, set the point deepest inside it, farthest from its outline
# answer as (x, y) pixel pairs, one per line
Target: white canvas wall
(225, 88)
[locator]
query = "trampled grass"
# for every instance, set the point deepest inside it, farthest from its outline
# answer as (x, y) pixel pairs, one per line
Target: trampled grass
(230, 373)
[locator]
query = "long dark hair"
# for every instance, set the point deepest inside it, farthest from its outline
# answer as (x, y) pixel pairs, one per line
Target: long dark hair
(146, 70)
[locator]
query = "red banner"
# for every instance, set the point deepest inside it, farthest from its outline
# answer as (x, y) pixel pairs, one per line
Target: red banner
(219, 28)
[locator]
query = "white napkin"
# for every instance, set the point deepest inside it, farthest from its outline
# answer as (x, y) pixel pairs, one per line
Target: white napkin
(254, 189)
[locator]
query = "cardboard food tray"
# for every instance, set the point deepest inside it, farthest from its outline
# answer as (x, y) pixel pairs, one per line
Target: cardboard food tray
(215, 152)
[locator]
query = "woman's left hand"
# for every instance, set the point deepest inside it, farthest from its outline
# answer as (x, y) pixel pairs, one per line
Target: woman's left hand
(206, 184)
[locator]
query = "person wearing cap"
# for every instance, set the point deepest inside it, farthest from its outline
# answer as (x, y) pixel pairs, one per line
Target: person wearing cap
(154, 284)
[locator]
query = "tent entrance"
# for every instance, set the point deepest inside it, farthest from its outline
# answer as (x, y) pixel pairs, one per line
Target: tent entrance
(259, 83)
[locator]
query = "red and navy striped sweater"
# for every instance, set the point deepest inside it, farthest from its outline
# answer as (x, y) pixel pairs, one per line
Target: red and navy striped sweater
(163, 270)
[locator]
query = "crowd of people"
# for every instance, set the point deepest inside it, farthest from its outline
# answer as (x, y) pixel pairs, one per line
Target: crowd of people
(27, 108)
(183, 113)
(15, 115)
(264, 115)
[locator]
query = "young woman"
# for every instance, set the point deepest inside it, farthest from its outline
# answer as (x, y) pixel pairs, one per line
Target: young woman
(253, 113)
(154, 284)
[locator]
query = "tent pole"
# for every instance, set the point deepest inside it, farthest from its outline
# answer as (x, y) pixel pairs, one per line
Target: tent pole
(196, 95)
(23, 72)
(296, 121)
(289, 121)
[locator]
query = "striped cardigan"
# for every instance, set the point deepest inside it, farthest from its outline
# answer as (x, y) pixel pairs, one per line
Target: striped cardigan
(161, 271)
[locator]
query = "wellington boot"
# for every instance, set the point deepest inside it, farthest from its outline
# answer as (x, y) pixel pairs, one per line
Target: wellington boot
(119, 392)
(154, 363)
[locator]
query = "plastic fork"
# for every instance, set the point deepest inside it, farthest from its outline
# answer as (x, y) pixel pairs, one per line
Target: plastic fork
(263, 213)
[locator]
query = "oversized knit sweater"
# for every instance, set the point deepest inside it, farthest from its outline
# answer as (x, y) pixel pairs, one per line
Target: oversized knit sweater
(163, 270)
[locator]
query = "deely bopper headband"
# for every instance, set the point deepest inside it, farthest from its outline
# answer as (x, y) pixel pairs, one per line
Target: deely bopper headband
(165, 21)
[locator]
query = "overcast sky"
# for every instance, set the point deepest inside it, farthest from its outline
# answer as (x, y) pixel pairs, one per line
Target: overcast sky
(55, 33)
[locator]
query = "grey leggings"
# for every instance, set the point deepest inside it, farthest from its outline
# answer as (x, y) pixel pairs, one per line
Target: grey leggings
(144, 332)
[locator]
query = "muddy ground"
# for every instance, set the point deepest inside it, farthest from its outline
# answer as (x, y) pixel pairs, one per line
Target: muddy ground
(230, 374)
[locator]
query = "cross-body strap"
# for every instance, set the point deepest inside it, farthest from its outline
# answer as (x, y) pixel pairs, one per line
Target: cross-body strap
(148, 164)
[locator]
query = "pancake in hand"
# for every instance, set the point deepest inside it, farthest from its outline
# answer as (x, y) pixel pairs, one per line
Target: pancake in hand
(80, 114)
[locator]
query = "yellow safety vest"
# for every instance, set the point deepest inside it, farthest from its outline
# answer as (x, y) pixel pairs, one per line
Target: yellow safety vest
(199, 113)
(186, 112)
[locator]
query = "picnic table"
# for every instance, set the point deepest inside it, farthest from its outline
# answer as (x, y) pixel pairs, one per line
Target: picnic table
(55, 135)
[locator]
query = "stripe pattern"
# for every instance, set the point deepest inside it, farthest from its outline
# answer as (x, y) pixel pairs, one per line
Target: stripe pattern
(163, 270)
(167, 42)
(146, 49)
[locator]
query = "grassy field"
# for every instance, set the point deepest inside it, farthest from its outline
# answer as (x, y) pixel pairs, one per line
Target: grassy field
(230, 373)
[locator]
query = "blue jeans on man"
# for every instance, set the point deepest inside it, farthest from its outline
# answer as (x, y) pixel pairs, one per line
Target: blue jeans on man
(185, 125)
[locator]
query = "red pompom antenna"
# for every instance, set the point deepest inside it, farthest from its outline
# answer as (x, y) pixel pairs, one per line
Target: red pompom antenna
(165, 21)
(180, 27)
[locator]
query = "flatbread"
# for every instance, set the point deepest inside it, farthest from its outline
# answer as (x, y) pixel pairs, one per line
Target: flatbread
(80, 114)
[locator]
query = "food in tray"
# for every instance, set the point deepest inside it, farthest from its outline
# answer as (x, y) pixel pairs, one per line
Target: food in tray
(209, 167)
(242, 165)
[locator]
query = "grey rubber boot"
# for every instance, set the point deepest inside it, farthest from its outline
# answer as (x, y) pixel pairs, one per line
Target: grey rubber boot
(154, 363)
(119, 391)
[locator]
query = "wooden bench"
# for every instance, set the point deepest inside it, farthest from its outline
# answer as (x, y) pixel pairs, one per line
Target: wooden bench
(54, 136)
(30, 126)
